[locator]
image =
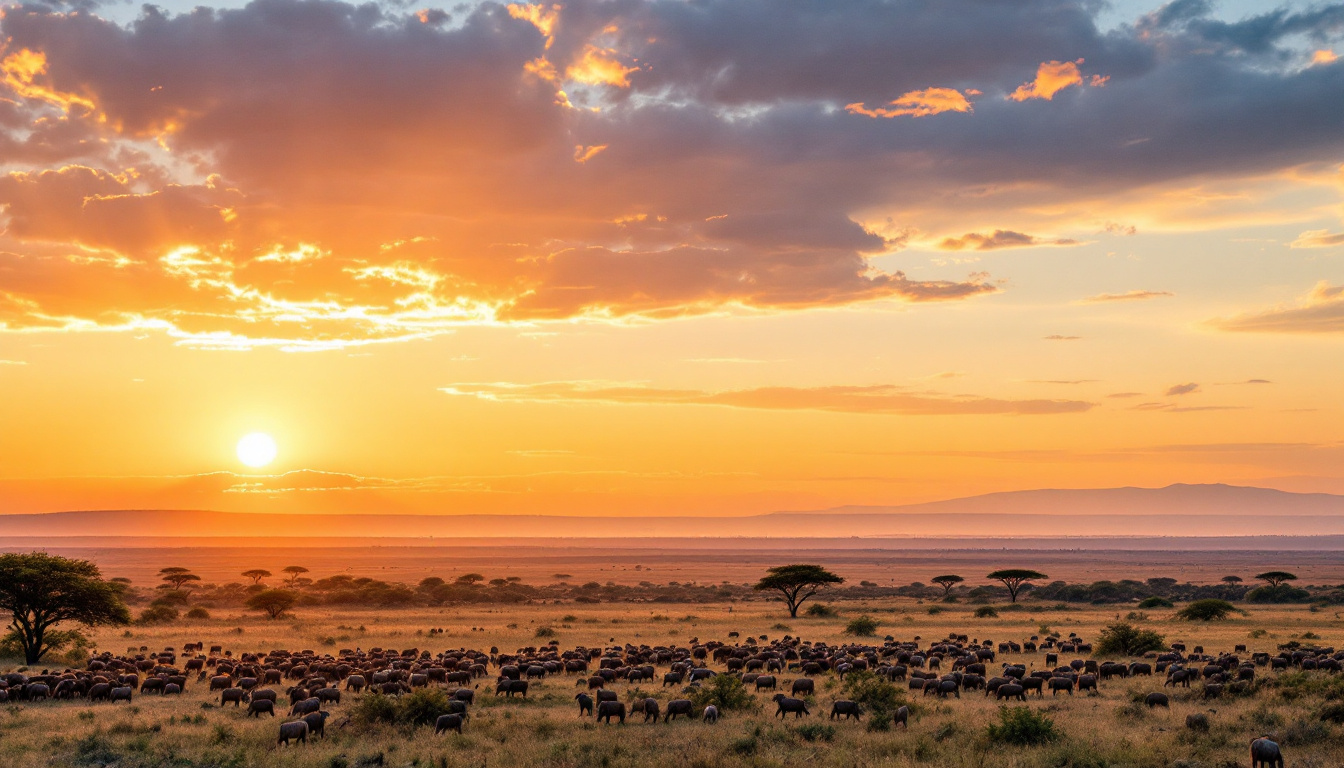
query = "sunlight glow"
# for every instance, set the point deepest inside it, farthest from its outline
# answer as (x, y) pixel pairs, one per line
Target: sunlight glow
(256, 449)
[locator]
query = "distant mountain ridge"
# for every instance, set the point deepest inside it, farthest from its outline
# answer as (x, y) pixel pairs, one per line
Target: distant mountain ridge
(1176, 510)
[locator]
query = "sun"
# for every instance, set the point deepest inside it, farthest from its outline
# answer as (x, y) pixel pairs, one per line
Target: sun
(256, 449)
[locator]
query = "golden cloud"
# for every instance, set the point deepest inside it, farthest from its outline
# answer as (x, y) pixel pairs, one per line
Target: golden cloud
(1318, 238)
(1053, 77)
(1135, 295)
(1320, 311)
(999, 238)
(930, 101)
(877, 399)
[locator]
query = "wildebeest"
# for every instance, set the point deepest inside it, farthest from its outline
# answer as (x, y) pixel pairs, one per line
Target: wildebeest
(235, 695)
(1010, 691)
(786, 705)
(1156, 699)
(711, 714)
(122, 693)
(902, 717)
(1265, 752)
(678, 707)
(845, 709)
(510, 687)
(260, 706)
(585, 704)
(310, 704)
(802, 685)
(448, 723)
(609, 709)
(317, 722)
(1058, 684)
(765, 683)
(296, 731)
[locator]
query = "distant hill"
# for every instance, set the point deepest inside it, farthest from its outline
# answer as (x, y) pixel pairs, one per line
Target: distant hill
(1176, 510)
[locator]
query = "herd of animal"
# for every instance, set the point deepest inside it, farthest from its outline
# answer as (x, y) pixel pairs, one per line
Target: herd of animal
(313, 683)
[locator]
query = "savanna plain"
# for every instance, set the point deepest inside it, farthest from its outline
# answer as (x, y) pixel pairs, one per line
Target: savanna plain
(1301, 709)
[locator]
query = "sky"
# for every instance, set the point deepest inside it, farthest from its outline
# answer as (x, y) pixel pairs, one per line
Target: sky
(636, 257)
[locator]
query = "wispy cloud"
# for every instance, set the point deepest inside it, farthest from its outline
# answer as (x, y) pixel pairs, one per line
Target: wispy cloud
(875, 399)
(1318, 238)
(1135, 295)
(1058, 337)
(1320, 311)
(1182, 389)
(998, 239)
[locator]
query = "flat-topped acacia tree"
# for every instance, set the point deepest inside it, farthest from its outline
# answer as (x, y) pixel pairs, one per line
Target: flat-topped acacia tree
(1275, 578)
(42, 591)
(178, 576)
(796, 583)
(947, 582)
(257, 574)
(294, 571)
(1014, 578)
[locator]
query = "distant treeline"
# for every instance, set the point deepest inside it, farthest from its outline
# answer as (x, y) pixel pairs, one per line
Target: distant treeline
(474, 589)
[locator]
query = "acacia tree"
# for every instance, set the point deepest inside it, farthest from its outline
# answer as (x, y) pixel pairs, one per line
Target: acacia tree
(1275, 578)
(273, 602)
(1232, 580)
(947, 582)
(1014, 578)
(257, 574)
(178, 576)
(294, 571)
(41, 591)
(796, 583)
(471, 578)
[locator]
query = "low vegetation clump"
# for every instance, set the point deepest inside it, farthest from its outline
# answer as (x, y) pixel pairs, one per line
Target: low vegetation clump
(863, 626)
(1281, 593)
(198, 613)
(815, 732)
(158, 614)
(727, 692)
(986, 612)
(821, 611)
(1123, 639)
(1206, 610)
(879, 698)
(544, 632)
(1156, 602)
(420, 707)
(1022, 726)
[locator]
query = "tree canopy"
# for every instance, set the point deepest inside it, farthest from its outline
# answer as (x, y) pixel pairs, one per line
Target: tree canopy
(273, 602)
(796, 583)
(1125, 639)
(1231, 579)
(294, 571)
(1206, 610)
(1275, 578)
(1014, 578)
(41, 591)
(178, 576)
(257, 574)
(947, 582)
(472, 578)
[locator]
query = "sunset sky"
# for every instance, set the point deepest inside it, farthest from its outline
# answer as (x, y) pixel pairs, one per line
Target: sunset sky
(666, 257)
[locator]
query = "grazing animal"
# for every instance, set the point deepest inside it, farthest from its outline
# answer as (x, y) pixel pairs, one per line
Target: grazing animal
(786, 705)
(802, 685)
(678, 707)
(235, 695)
(765, 683)
(311, 704)
(902, 717)
(609, 709)
(510, 687)
(317, 722)
(711, 714)
(1265, 752)
(585, 704)
(448, 723)
(295, 731)
(1010, 691)
(1156, 699)
(259, 706)
(845, 709)
(121, 694)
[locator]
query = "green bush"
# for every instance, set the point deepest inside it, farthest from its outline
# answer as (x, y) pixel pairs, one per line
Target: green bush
(1211, 609)
(863, 626)
(986, 612)
(1022, 726)
(878, 697)
(815, 732)
(1156, 602)
(821, 611)
(419, 707)
(158, 614)
(1122, 639)
(1332, 713)
(725, 692)
(198, 613)
(544, 632)
(1283, 593)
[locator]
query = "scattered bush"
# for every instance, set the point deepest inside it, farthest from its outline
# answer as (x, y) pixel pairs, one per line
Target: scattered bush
(1304, 732)
(198, 613)
(863, 626)
(815, 732)
(419, 707)
(1282, 593)
(1022, 726)
(1211, 609)
(726, 692)
(544, 632)
(878, 697)
(986, 612)
(1332, 713)
(1122, 639)
(821, 611)
(158, 614)
(1156, 602)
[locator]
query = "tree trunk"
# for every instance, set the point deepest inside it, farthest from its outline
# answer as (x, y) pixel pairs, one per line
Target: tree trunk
(32, 646)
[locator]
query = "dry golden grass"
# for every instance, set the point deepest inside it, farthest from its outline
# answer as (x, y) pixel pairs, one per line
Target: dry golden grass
(544, 730)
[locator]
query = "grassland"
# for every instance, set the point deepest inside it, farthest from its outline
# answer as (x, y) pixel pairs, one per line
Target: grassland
(544, 730)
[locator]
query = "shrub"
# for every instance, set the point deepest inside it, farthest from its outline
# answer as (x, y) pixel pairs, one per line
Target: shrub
(1282, 593)
(986, 612)
(725, 692)
(544, 632)
(781, 627)
(1206, 610)
(419, 707)
(815, 732)
(1332, 713)
(1304, 732)
(878, 697)
(1124, 639)
(1022, 726)
(821, 611)
(1156, 602)
(934, 610)
(198, 613)
(863, 626)
(158, 614)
